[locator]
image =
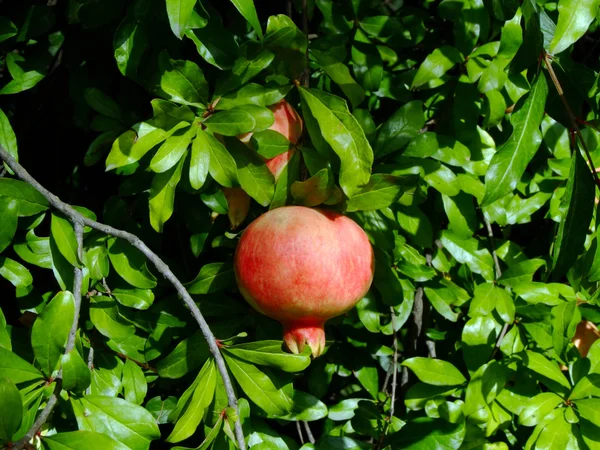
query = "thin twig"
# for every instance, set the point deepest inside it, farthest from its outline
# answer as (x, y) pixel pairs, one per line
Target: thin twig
(309, 434)
(415, 334)
(158, 263)
(498, 275)
(571, 115)
(78, 279)
(90, 363)
(306, 73)
(3, 172)
(494, 253)
(395, 364)
(299, 429)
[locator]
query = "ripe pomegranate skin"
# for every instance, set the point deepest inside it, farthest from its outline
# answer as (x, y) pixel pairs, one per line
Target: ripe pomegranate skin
(302, 266)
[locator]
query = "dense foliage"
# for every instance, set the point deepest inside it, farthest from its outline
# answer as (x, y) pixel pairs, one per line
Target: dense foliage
(461, 135)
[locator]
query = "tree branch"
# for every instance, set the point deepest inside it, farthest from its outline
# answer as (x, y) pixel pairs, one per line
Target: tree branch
(76, 217)
(77, 280)
(571, 115)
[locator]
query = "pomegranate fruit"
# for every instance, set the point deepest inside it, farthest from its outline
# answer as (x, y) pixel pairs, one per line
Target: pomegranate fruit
(586, 334)
(302, 266)
(288, 123)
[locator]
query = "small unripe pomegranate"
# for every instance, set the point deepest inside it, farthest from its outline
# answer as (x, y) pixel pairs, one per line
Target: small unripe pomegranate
(302, 266)
(288, 123)
(586, 334)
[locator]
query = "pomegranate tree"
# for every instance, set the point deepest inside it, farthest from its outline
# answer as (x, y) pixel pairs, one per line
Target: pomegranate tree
(303, 266)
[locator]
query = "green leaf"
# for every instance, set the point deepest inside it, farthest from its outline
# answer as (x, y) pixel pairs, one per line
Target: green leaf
(7, 29)
(8, 140)
(440, 61)
(468, 251)
(162, 195)
(64, 235)
(179, 13)
(289, 44)
(200, 161)
(381, 191)
(119, 419)
(23, 82)
(484, 300)
(231, 122)
(76, 375)
(140, 299)
(162, 409)
(253, 174)
(14, 272)
(510, 161)
(549, 372)
(9, 211)
(259, 387)
(254, 94)
(342, 131)
(210, 437)
(129, 44)
(182, 81)
(263, 117)
(369, 379)
(434, 371)
(187, 356)
(221, 164)
(51, 330)
(270, 143)
(76, 440)
(247, 9)
(271, 354)
(213, 277)
(17, 369)
(130, 264)
(538, 408)
(134, 383)
(104, 314)
(400, 129)
(579, 199)
(315, 190)
(196, 406)
(521, 272)
(306, 407)
(31, 202)
(340, 75)
(132, 145)
(172, 150)
(102, 103)
(96, 258)
(588, 409)
(574, 18)
(427, 433)
(11, 409)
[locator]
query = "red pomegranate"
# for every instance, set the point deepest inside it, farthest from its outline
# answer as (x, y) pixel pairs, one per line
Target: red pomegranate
(303, 266)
